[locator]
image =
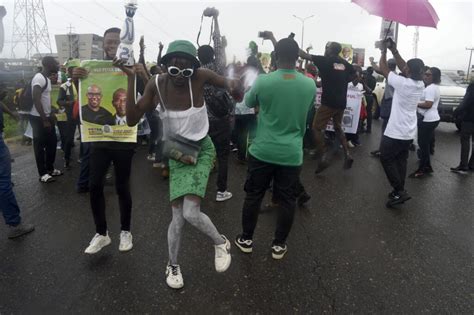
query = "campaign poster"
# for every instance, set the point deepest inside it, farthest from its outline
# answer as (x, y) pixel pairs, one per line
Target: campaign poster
(389, 29)
(359, 56)
(350, 120)
(102, 100)
(347, 53)
(59, 113)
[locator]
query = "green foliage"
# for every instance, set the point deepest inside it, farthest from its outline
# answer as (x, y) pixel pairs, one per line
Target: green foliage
(12, 128)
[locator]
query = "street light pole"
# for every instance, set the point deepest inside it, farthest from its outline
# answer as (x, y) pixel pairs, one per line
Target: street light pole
(302, 27)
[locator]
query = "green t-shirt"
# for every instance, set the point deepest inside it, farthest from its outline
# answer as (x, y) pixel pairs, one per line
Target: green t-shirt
(284, 98)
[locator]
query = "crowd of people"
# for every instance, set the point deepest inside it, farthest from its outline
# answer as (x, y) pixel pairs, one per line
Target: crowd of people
(191, 98)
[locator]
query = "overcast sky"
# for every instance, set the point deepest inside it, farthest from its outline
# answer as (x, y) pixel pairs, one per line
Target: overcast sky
(240, 21)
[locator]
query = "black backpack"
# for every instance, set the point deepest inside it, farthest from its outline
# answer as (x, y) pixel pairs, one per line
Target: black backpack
(220, 104)
(25, 102)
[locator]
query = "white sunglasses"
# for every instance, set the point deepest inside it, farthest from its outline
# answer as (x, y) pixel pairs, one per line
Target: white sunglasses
(175, 71)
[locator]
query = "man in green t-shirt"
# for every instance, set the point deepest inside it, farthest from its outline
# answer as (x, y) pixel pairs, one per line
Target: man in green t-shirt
(284, 98)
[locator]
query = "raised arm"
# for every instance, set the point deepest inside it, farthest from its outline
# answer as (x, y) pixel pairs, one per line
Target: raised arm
(219, 49)
(401, 64)
(383, 66)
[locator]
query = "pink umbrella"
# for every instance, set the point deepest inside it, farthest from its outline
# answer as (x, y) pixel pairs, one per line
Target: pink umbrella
(407, 12)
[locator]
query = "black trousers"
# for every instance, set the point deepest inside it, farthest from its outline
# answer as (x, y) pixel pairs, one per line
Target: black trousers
(369, 108)
(219, 131)
(259, 176)
(44, 145)
(384, 126)
(425, 139)
(394, 156)
(100, 159)
(467, 131)
(66, 131)
(244, 126)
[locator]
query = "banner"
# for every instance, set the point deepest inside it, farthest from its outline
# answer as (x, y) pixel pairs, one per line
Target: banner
(102, 100)
(350, 120)
(347, 53)
(60, 114)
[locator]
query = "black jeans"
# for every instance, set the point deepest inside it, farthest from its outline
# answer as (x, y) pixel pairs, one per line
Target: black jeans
(66, 131)
(394, 156)
(467, 131)
(100, 159)
(259, 176)
(83, 180)
(219, 131)
(244, 127)
(44, 145)
(425, 139)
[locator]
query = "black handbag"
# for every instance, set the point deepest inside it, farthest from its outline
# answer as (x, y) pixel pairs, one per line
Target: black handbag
(181, 149)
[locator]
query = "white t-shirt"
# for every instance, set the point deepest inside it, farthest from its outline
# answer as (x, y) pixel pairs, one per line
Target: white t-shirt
(40, 81)
(406, 96)
(430, 93)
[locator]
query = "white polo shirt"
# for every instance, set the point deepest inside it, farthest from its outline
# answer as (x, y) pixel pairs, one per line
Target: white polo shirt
(406, 96)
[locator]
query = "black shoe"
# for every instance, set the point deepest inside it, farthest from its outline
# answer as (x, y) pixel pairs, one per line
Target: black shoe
(244, 245)
(398, 198)
(375, 153)
(278, 251)
(348, 161)
(303, 198)
(82, 190)
(392, 194)
(459, 169)
(19, 230)
(67, 165)
(417, 174)
(471, 168)
(322, 165)
(428, 170)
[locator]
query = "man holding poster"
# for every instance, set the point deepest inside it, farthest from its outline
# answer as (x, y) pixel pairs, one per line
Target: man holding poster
(114, 143)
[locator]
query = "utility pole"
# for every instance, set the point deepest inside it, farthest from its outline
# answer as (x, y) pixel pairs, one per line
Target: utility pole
(302, 27)
(469, 66)
(416, 38)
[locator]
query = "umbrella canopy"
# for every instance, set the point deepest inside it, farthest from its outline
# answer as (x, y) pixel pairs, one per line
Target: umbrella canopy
(407, 12)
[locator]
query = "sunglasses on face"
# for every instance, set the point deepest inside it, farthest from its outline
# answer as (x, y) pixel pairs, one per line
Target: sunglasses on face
(175, 71)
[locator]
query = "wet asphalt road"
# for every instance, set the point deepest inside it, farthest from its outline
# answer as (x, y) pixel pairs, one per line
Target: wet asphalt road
(347, 252)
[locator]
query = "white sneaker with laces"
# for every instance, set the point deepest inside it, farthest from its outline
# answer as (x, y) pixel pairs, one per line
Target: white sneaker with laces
(125, 241)
(46, 178)
(222, 258)
(223, 196)
(56, 172)
(174, 278)
(98, 242)
(150, 157)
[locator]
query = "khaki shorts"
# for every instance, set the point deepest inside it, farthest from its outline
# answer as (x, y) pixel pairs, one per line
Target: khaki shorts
(324, 114)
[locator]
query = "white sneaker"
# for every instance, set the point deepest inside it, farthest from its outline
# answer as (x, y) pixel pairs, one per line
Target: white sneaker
(350, 144)
(56, 172)
(125, 241)
(150, 157)
(223, 196)
(174, 278)
(46, 178)
(222, 258)
(98, 242)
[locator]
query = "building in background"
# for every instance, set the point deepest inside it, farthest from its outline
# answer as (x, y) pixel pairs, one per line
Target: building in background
(79, 46)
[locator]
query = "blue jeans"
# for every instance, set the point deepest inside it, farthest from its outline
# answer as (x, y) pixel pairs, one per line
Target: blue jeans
(83, 181)
(8, 204)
